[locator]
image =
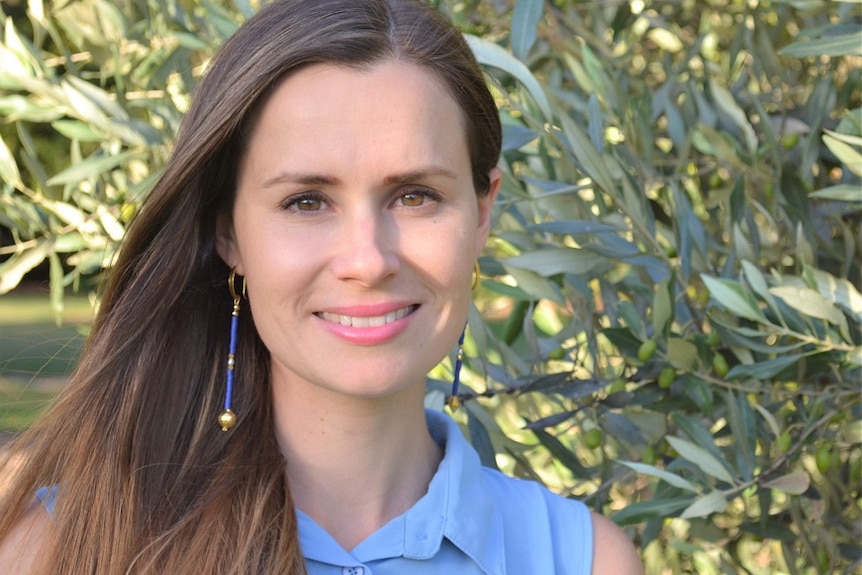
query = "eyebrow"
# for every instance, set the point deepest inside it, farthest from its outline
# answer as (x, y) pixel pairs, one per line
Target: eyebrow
(311, 179)
(304, 179)
(420, 174)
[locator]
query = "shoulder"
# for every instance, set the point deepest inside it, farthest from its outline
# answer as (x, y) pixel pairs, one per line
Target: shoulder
(19, 549)
(542, 532)
(613, 552)
(571, 532)
(513, 493)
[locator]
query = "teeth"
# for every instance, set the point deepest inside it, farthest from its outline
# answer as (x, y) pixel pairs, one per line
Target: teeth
(374, 321)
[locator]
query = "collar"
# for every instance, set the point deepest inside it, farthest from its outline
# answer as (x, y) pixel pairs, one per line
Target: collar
(457, 507)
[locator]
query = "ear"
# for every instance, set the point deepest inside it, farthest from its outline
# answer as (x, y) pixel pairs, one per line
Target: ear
(226, 246)
(486, 203)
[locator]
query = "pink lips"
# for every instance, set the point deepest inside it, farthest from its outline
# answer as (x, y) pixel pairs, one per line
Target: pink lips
(367, 325)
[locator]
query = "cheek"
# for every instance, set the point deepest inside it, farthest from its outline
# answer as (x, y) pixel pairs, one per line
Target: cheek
(284, 276)
(443, 251)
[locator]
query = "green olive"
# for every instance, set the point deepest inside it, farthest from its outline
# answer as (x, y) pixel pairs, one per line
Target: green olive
(593, 438)
(127, 212)
(789, 141)
(856, 471)
(715, 180)
(617, 386)
(823, 458)
(713, 339)
(647, 350)
(649, 456)
(666, 377)
(719, 365)
(823, 561)
(782, 443)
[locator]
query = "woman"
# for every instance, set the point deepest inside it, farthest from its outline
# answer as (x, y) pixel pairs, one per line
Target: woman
(338, 165)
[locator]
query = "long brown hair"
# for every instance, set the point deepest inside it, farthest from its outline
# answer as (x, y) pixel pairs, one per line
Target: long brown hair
(146, 481)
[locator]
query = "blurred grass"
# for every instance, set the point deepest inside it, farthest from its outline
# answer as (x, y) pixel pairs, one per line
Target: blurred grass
(36, 354)
(19, 406)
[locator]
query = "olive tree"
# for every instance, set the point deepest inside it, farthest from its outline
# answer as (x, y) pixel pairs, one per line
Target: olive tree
(668, 324)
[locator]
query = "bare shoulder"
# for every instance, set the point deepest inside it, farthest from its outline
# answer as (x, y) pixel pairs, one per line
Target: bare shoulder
(613, 552)
(20, 548)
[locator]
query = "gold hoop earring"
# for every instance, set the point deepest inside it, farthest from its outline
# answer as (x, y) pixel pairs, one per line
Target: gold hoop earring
(477, 272)
(231, 285)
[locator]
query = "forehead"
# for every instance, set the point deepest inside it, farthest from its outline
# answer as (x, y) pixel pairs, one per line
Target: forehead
(330, 114)
(326, 86)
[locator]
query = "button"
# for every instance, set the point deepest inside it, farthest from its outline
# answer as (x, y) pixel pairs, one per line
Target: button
(353, 571)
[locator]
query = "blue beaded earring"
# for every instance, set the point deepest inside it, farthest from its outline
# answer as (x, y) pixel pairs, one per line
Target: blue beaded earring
(454, 401)
(227, 418)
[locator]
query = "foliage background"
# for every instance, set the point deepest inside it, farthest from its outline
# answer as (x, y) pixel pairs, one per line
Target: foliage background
(669, 321)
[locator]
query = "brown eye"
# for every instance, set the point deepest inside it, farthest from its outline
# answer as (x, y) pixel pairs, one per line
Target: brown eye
(308, 204)
(305, 203)
(413, 199)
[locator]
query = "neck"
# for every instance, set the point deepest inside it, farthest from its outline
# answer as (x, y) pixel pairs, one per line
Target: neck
(376, 456)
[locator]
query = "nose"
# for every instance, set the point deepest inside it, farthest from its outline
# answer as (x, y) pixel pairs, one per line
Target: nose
(367, 249)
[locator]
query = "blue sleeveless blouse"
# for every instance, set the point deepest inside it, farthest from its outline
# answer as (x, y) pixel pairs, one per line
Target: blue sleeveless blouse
(472, 521)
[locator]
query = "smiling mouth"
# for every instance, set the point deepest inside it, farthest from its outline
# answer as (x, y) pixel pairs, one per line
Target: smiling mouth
(370, 321)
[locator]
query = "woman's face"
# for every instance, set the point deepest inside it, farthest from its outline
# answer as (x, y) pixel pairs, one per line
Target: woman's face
(356, 226)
